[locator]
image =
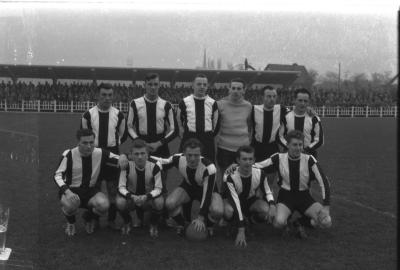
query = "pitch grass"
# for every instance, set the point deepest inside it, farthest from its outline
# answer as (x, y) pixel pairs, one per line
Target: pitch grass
(359, 157)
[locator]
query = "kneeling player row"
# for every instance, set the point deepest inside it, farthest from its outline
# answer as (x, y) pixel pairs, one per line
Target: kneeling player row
(244, 192)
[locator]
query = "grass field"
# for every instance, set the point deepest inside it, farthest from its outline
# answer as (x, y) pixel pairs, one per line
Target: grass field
(359, 157)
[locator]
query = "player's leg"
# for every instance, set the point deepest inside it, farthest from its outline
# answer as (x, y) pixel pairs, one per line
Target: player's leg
(69, 208)
(163, 152)
(215, 213)
(157, 206)
(124, 207)
(224, 159)
(174, 202)
(259, 211)
(282, 214)
(111, 177)
(97, 205)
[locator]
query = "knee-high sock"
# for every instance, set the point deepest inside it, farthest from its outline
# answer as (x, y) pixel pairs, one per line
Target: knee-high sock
(126, 216)
(112, 212)
(155, 215)
(179, 219)
(70, 219)
(187, 211)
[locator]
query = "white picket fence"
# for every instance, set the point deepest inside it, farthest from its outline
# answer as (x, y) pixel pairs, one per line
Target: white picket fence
(54, 106)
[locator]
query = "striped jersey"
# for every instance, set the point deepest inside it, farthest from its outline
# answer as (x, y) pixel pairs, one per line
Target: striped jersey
(138, 181)
(198, 115)
(201, 177)
(266, 123)
(309, 125)
(108, 126)
(242, 188)
(152, 121)
(296, 174)
(75, 170)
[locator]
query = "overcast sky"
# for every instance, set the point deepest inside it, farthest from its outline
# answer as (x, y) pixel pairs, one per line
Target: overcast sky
(362, 39)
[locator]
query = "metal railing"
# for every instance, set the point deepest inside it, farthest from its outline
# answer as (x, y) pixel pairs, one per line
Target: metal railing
(57, 106)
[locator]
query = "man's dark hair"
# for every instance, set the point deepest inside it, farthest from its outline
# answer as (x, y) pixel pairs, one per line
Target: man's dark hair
(239, 80)
(104, 86)
(192, 143)
(302, 91)
(200, 75)
(245, 149)
(294, 134)
(84, 132)
(139, 143)
(151, 76)
(267, 87)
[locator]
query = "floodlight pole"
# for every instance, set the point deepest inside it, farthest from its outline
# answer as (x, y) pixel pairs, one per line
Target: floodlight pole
(339, 78)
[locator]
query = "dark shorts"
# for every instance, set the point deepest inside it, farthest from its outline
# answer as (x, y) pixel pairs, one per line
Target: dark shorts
(85, 194)
(312, 152)
(194, 192)
(111, 174)
(225, 157)
(207, 139)
(162, 151)
(263, 151)
(298, 200)
(244, 204)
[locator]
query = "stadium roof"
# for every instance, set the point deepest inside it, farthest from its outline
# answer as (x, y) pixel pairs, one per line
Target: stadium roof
(303, 77)
(138, 74)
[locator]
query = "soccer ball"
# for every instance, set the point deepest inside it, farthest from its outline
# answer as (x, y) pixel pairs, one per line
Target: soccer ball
(193, 235)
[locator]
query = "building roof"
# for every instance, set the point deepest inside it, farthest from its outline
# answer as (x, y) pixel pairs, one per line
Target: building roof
(138, 74)
(294, 67)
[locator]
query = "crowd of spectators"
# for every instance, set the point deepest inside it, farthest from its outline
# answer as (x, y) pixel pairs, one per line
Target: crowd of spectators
(76, 92)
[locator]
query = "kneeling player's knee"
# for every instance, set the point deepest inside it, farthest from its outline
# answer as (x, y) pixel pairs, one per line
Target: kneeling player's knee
(120, 202)
(216, 211)
(228, 211)
(101, 204)
(170, 203)
(158, 203)
(70, 209)
(280, 222)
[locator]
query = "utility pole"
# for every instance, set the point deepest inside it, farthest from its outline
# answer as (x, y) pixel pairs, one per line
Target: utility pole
(339, 78)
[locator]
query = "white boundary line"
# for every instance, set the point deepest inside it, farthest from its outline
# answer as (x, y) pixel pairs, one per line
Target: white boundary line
(343, 198)
(19, 132)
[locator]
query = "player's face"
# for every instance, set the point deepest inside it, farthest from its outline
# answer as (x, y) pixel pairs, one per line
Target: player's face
(106, 97)
(269, 98)
(139, 156)
(86, 145)
(200, 87)
(246, 160)
(236, 90)
(302, 101)
(295, 147)
(152, 86)
(192, 156)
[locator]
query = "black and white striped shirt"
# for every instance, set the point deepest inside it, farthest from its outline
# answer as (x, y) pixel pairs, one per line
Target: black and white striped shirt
(201, 177)
(108, 126)
(199, 115)
(266, 123)
(296, 174)
(75, 170)
(150, 120)
(243, 188)
(141, 181)
(309, 125)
